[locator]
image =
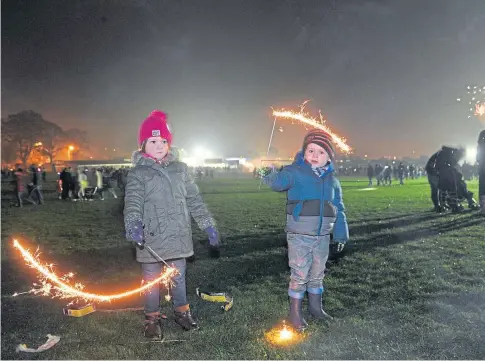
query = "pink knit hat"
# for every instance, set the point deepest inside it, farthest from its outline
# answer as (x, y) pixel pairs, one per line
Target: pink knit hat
(155, 126)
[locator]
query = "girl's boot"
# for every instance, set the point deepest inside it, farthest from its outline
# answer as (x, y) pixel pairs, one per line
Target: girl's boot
(183, 317)
(296, 315)
(153, 327)
(315, 307)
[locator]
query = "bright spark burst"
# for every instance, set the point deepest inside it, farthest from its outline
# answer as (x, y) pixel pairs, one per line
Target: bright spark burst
(474, 100)
(480, 109)
(50, 284)
(319, 123)
(283, 336)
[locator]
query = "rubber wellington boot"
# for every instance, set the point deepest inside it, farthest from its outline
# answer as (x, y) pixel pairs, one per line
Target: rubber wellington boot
(296, 315)
(315, 307)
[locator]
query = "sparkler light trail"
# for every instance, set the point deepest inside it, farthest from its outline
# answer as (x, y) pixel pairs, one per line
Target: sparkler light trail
(60, 287)
(320, 123)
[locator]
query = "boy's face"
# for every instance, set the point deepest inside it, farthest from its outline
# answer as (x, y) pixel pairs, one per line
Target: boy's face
(156, 147)
(316, 155)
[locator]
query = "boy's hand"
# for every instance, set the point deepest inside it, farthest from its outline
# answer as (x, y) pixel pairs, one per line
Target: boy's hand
(264, 172)
(134, 233)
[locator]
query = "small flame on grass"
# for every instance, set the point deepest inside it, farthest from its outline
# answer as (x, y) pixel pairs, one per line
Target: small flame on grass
(283, 336)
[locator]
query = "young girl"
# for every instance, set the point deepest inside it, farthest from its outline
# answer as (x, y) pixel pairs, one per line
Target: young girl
(314, 209)
(159, 195)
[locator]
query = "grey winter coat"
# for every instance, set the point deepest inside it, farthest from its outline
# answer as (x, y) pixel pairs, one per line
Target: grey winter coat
(161, 195)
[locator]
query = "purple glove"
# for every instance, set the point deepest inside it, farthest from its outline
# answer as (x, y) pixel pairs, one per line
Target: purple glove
(214, 237)
(134, 233)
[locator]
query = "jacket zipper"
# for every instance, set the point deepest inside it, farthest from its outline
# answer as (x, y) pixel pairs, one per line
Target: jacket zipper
(321, 209)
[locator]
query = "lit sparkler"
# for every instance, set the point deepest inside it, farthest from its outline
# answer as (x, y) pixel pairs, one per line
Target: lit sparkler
(319, 123)
(51, 284)
(283, 336)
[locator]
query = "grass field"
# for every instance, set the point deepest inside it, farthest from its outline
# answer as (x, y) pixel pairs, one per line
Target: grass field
(410, 285)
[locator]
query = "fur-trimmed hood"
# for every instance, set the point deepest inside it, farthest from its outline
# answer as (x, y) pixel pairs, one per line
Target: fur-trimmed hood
(139, 157)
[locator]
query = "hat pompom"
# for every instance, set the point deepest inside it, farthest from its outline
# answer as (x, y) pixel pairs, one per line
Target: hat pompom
(159, 115)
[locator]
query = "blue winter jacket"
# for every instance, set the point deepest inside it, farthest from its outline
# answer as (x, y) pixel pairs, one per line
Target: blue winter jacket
(314, 204)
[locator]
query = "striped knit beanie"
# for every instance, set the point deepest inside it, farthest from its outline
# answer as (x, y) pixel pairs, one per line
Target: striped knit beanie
(321, 138)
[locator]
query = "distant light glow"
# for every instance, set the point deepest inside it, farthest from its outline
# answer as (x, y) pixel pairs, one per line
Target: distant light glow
(471, 155)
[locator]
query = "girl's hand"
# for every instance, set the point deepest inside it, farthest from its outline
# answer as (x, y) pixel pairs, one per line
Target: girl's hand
(134, 233)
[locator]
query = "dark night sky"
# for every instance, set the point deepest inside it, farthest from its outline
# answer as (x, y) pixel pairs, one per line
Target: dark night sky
(385, 73)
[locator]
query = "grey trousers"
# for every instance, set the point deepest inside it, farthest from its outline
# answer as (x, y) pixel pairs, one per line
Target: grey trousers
(307, 257)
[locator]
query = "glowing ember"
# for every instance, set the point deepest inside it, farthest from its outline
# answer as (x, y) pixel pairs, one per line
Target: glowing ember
(480, 109)
(283, 336)
(286, 334)
(320, 123)
(50, 284)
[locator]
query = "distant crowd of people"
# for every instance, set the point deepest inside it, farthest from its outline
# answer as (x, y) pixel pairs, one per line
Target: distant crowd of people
(85, 184)
(77, 184)
(385, 174)
(204, 172)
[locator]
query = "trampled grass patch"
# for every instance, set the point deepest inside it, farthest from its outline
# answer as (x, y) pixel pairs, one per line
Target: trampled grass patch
(410, 285)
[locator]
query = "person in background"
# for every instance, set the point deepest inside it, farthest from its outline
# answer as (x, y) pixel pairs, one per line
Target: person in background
(19, 187)
(370, 173)
(36, 183)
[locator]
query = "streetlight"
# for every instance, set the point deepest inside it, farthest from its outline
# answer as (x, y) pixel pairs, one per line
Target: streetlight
(69, 150)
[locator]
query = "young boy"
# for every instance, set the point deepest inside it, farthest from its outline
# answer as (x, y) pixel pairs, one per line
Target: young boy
(160, 197)
(314, 209)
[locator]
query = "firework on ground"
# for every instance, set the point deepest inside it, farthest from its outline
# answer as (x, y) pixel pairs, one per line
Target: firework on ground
(320, 123)
(283, 336)
(64, 287)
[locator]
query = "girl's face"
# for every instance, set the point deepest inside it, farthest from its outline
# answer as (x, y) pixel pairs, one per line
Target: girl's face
(316, 155)
(156, 147)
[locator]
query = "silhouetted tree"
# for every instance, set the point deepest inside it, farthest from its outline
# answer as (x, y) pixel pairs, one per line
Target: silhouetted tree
(22, 131)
